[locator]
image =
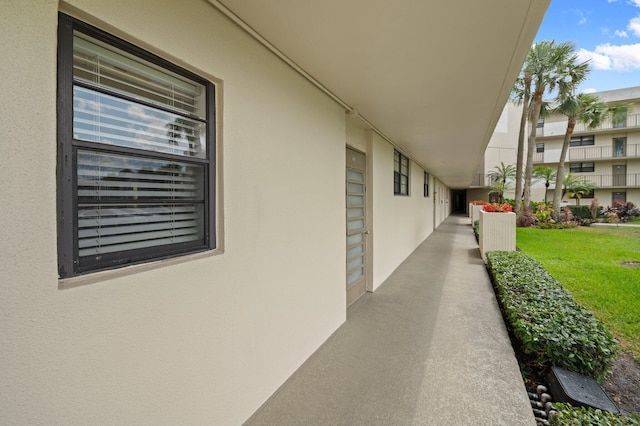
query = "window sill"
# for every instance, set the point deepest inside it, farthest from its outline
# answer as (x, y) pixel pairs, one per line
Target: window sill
(98, 277)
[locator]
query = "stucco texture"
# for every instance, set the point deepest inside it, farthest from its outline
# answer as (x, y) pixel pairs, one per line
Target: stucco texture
(199, 342)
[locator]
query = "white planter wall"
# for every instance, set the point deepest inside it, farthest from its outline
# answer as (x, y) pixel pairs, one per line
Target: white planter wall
(475, 212)
(497, 232)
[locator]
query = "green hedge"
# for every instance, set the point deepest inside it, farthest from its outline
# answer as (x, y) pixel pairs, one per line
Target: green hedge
(584, 212)
(476, 229)
(551, 327)
(568, 415)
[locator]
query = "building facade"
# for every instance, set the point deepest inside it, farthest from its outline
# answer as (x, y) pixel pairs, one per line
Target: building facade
(194, 192)
(607, 156)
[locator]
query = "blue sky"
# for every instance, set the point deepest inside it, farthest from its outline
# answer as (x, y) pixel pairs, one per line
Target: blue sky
(605, 31)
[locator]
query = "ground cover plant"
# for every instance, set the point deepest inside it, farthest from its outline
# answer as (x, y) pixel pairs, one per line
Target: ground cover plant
(567, 415)
(600, 267)
(544, 317)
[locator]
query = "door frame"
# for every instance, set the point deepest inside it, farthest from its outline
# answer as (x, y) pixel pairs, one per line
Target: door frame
(616, 176)
(368, 234)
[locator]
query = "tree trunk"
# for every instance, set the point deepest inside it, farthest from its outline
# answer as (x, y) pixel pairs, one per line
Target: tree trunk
(558, 193)
(520, 155)
(546, 189)
(531, 147)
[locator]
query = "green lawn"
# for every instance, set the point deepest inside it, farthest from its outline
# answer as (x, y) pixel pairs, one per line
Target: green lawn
(588, 262)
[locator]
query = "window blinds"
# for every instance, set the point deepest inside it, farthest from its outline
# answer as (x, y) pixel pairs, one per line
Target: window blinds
(141, 199)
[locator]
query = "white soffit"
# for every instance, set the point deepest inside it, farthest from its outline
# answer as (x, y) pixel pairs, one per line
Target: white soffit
(432, 76)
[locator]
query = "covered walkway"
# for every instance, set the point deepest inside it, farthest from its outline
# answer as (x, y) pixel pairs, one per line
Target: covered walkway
(429, 347)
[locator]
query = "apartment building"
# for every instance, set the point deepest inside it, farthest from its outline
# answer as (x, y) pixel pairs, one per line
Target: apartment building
(502, 149)
(607, 156)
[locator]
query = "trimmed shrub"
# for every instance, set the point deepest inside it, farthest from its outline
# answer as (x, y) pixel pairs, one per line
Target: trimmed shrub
(476, 229)
(568, 415)
(586, 215)
(581, 212)
(552, 328)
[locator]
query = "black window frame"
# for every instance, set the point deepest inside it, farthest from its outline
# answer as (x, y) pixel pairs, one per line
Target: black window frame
(539, 147)
(399, 159)
(587, 140)
(70, 263)
(622, 139)
(584, 167)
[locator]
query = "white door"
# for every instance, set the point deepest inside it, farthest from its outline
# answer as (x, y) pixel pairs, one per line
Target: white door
(356, 225)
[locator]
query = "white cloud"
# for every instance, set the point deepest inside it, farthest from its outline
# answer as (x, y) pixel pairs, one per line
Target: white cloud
(635, 3)
(598, 61)
(634, 25)
(589, 90)
(613, 58)
(621, 34)
(583, 19)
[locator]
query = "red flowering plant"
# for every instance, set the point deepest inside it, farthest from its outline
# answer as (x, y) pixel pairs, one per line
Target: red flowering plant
(478, 203)
(497, 208)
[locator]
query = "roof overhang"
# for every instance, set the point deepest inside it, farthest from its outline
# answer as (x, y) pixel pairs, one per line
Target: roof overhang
(431, 76)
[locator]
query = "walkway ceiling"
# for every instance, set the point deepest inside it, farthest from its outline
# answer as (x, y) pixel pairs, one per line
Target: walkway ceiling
(432, 76)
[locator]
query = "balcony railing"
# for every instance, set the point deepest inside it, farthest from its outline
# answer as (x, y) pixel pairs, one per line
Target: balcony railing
(632, 120)
(604, 152)
(559, 128)
(613, 181)
(480, 181)
(599, 181)
(538, 157)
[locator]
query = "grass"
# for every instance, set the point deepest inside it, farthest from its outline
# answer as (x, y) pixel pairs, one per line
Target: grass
(589, 263)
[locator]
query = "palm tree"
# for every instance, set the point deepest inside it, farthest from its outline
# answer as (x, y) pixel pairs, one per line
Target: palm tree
(576, 187)
(552, 66)
(499, 187)
(502, 173)
(545, 173)
(618, 112)
(500, 177)
(585, 108)
(521, 95)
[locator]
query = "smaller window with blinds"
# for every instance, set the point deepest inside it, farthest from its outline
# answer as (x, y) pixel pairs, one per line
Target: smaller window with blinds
(400, 173)
(136, 176)
(582, 167)
(582, 140)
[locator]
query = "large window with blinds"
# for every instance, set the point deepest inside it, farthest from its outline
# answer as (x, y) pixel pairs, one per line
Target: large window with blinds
(136, 163)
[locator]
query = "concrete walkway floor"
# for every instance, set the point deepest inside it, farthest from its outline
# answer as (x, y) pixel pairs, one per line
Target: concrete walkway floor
(429, 347)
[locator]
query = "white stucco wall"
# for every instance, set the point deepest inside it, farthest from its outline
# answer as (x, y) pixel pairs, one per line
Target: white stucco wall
(205, 341)
(400, 223)
(200, 342)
